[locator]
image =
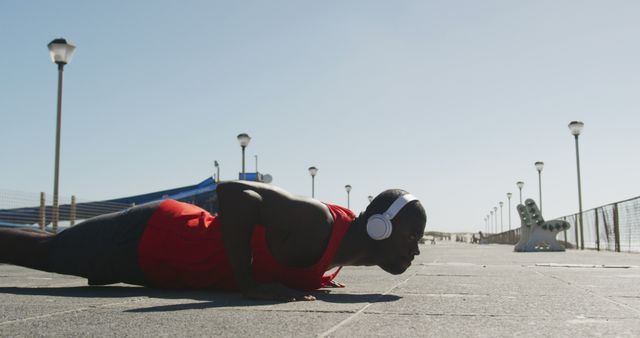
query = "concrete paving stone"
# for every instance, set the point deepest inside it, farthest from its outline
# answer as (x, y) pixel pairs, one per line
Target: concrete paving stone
(452, 289)
(504, 254)
(536, 306)
(199, 319)
(389, 325)
(368, 279)
(453, 304)
(514, 284)
(587, 306)
(633, 302)
(33, 302)
(13, 275)
(619, 282)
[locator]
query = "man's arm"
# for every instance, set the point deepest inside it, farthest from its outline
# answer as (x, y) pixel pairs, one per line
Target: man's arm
(239, 213)
(245, 204)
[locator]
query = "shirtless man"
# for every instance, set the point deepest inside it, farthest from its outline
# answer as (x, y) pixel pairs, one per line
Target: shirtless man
(265, 243)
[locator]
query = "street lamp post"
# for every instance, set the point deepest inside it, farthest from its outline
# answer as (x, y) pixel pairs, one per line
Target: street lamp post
(539, 166)
(313, 171)
(256, 156)
(491, 222)
(244, 142)
(509, 198)
(501, 223)
(576, 129)
(217, 165)
(348, 189)
(490, 217)
(520, 184)
(486, 219)
(495, 219)
(61, 52)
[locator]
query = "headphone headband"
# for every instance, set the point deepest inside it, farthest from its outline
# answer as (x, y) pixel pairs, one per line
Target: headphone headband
(398, 204)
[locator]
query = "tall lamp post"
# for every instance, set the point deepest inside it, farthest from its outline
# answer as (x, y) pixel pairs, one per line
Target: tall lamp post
(520, 184)
(486, 219)
(509, 198)
(495, 219)
(576, 129)
(491, 222)
(490, 218)
(244, 142)
(501, 223)
(539, 165)
(313, 171)
(256, 156)
(61, 52)
(217, 165)
(348, 189)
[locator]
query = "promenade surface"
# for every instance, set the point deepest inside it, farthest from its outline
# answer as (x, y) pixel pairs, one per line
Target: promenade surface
(452, 290)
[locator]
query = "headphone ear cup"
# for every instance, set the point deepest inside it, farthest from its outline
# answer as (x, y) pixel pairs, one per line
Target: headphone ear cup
(379, 227)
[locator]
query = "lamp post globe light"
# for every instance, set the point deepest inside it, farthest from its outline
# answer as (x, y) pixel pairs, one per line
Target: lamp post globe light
(509, 198)
(501, 227)
(576, 129)
(313, 171)
(520, 184)
(539, 166)
(370, 198)
(244, 140)
(348, 189)
(61, 52)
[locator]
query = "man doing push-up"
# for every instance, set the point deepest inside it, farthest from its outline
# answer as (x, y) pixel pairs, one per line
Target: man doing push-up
(264, 242)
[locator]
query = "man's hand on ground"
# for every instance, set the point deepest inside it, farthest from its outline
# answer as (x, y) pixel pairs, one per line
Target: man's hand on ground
(334, 284)
(278, 292)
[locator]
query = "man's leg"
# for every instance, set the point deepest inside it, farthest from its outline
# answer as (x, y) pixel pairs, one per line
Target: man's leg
(25, 247)
(103, 249)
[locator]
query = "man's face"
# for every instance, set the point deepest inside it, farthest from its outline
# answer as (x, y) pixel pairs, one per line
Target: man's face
(397, 252)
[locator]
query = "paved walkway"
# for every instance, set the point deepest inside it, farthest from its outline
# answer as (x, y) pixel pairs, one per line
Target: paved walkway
(452, 290)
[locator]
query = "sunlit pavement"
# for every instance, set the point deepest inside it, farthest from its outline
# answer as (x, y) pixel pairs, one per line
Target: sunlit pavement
(452, 290)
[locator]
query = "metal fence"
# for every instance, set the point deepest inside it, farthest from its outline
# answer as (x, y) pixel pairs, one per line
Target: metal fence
(611, 227)
(21, 209)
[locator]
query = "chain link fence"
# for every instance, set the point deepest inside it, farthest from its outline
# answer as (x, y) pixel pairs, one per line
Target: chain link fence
(611, 227)
(21, 209)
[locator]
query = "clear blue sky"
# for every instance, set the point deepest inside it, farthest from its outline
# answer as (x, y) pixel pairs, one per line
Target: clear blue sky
(451, 100)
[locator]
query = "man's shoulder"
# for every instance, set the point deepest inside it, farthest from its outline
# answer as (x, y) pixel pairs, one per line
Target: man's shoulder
(340, 212)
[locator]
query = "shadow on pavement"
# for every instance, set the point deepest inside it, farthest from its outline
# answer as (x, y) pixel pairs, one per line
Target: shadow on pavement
(207, 298)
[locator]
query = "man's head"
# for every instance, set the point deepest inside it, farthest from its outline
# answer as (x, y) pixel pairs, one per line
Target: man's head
(395, 253)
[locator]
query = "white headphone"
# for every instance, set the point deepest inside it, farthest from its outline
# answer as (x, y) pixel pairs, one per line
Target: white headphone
(379, 226)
